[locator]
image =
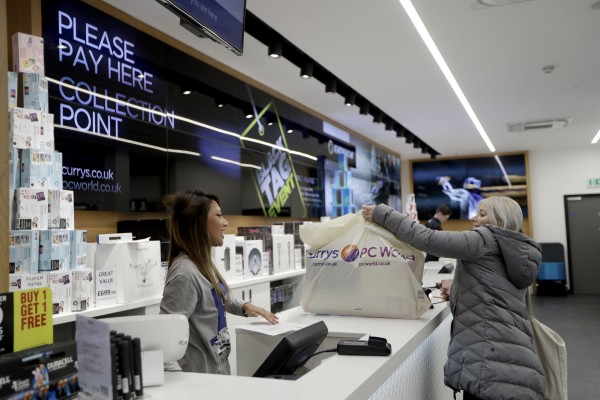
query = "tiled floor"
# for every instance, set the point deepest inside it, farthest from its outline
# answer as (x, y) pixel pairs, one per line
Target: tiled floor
(577, 319)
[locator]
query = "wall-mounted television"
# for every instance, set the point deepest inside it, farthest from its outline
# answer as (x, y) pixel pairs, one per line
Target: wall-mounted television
(220, 20)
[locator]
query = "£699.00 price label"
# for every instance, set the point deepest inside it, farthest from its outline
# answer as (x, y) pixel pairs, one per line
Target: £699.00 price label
(106, 287)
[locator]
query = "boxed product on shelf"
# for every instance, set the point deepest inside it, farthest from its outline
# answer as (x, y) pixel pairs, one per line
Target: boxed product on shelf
(252, 255)
(42, 372)
(293, 228)
(28, 53)
(30, 209)
(79, 258)
(264, 233)
(14, 168)
(23, 252)
(13, 89)
(82, 289)
(55, 250)
(60, 282)
(24, 127)
(283, 253)
(239, 257)
(45, 138)
(31, 129)
(61, 209)
(35, 91)
(224, 258)
(27, 281)
(38, 169)
(135, 266)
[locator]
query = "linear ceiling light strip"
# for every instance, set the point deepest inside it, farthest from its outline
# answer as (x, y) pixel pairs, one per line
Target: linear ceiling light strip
(431, 46)
(177, 117)
(128, 141)
(226, 160)
(596, 138)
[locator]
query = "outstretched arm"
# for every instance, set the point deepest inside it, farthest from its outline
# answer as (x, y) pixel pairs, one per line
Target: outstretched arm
(250, 310)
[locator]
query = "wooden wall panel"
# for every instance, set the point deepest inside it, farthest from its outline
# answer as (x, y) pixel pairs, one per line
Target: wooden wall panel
(4, 195)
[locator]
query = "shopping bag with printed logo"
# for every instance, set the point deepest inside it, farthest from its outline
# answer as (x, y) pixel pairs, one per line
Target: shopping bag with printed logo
(358, 268)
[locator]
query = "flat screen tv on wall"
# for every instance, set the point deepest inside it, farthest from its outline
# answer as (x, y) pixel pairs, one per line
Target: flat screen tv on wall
(221, 20)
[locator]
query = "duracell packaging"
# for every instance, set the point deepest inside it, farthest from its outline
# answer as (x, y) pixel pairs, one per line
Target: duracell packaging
(44, 372)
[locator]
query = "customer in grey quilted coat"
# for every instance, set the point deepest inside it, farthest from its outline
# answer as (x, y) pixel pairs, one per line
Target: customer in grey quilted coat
(491, 353)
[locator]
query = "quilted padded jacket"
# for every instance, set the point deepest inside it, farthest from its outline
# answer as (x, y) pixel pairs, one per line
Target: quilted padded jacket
(491, 351)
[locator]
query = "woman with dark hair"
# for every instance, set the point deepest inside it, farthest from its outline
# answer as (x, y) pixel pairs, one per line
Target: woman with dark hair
(491, 354)
(195, 288)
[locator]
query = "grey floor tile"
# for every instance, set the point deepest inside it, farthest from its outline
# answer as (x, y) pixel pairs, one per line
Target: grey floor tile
(576, 318)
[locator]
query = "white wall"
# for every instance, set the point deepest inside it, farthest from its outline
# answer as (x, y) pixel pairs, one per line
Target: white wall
(553, 174)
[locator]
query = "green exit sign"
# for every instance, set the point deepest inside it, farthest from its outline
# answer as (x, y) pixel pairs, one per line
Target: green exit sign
(594, 183)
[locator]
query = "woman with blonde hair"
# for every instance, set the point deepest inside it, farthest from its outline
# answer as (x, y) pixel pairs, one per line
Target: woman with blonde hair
(491, 354)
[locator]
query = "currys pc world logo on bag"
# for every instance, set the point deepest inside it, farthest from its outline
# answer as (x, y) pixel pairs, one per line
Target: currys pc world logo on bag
(352, 252)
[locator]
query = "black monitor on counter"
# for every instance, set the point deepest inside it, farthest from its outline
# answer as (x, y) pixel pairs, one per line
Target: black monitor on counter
(220, 20)
(292, 352)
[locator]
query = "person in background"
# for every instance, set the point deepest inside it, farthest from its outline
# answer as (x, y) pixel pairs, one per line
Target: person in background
(491, 354)
(195, 288)
(442, 213)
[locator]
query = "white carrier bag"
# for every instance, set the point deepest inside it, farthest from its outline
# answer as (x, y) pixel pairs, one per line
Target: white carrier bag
(358, 268)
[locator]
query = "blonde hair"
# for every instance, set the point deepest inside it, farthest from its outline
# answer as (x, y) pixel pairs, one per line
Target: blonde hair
(504, 212)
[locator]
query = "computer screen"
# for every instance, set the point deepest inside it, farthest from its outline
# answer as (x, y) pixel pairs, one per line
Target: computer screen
(293, 351)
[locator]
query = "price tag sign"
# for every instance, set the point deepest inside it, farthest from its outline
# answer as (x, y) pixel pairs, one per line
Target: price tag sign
(106, 288)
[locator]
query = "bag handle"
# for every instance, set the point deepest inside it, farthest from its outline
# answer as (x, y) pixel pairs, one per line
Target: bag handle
(528, 303)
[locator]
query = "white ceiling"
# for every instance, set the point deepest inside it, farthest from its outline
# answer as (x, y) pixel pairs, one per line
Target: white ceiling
(495, 53)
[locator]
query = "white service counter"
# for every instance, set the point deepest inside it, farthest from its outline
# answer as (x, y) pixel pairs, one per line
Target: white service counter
(412, 371)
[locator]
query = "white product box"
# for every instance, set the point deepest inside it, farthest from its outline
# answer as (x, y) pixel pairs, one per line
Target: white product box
(252, 254)
(137, 266)
(79, 257)
(13, 89)
(14, 168)
(83, 289)
(277, 230)
(23, 252)
(27, 281)
(224, 258)
(37, 169)
(239, 257)
(30, 209)
(35, 92)
(283, 253)
(24, 127)
(108, 238)
(62, 295)
(300, 256)
(55, 250)
(61, 209)
(45, 138)
(28, 53)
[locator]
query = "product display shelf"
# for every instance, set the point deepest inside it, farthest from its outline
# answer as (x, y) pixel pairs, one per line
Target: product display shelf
(101, 311)
(267, 278)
